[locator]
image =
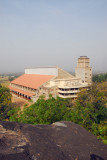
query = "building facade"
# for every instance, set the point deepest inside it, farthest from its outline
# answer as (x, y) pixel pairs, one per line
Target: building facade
(83, 69)
(53, 80)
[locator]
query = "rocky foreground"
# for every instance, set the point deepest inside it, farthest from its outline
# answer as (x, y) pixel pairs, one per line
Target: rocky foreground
(59, 141)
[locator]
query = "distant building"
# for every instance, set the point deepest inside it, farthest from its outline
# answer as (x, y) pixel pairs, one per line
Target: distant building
(52, 80)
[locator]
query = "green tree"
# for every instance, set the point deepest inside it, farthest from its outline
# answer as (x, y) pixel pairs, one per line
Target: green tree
(43, 111)
(5, 102)
(10, 78)
(100, 130)
(100, 77)
(89, 108)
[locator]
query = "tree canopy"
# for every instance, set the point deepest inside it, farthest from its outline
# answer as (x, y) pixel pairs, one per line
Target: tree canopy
(43, 111)
(100, 77)
(5, 102)
(90, 107)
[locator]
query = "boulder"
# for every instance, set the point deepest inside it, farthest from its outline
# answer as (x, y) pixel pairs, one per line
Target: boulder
(59, 141)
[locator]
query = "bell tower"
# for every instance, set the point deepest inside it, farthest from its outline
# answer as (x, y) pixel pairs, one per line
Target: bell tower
(83, 69)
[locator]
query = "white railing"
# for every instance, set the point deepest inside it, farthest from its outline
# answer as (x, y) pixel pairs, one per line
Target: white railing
(67, 96)
(70, 91)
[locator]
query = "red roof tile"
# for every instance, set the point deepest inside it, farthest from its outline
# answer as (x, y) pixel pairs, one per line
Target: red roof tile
(32, 80)
(21, 91)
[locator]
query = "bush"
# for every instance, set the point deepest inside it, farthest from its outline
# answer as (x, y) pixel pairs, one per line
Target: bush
(5, 102)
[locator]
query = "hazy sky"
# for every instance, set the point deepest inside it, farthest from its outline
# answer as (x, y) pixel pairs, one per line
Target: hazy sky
(52, 32)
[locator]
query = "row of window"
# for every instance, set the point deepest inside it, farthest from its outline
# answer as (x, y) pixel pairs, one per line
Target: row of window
(23, 87)
(68, 89)
(20, 94)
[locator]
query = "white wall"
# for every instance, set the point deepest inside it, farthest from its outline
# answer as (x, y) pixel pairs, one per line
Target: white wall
(42, 71)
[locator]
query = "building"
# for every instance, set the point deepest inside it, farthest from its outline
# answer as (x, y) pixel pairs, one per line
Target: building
(52, 80)
(83, 69)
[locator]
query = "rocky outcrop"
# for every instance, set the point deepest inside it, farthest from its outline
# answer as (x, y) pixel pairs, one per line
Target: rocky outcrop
(59, 141)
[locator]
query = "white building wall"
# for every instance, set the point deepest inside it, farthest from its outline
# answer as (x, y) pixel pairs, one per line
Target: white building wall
(42, 71)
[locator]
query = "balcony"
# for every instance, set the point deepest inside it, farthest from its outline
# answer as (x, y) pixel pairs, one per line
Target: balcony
(67, 96)
(70, 91)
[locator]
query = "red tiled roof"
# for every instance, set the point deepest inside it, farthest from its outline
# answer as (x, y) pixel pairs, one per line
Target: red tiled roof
(32, 80)
(21, 91)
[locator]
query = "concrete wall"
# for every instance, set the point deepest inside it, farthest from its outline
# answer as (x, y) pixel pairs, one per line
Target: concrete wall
(80, 73)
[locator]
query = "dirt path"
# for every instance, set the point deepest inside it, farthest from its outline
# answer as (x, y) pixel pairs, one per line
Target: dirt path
(20, 102)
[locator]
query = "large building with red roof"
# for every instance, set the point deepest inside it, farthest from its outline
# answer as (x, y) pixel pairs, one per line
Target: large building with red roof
(52, 80)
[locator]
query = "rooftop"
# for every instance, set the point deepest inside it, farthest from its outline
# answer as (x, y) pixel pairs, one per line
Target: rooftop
(83, 57)
(32, 80)
(41, 67)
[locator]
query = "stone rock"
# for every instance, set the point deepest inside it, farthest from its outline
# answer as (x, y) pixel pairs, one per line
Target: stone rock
(59, 141)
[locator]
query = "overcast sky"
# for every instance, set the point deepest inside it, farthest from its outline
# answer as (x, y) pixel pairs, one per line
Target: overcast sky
(52, 32)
